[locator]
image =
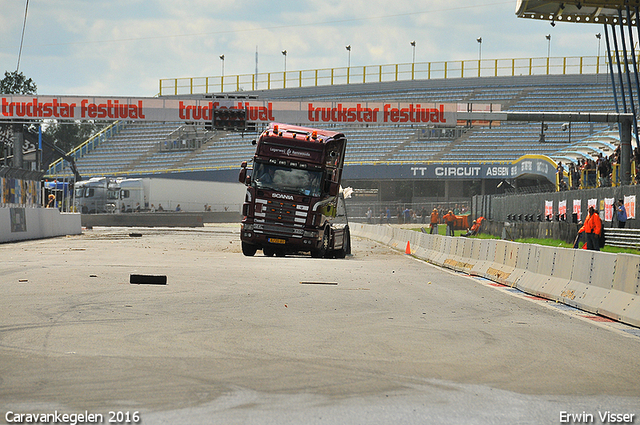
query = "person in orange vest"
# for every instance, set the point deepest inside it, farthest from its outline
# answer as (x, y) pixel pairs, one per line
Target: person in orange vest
(592, 228)
(435, 218)
(450, 219)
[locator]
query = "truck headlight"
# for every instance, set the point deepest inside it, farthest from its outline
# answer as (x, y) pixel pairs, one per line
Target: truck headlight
(310, 234)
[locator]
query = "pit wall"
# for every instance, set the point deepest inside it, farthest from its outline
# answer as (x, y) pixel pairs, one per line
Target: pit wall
(24, 223)
(597, 282)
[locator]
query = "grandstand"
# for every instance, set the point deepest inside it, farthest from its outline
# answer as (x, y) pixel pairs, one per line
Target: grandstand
(137, 148)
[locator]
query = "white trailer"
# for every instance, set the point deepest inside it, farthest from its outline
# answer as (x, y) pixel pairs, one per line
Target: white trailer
(148, 194)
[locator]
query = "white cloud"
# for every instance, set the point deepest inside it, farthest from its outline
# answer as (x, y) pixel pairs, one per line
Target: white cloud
(124, 47)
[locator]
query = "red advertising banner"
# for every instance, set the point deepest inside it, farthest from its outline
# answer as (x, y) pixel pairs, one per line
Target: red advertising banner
(548, 208)
(201, 110)
(608, 209)
(630, 206)
(577, 204)
(562, 207)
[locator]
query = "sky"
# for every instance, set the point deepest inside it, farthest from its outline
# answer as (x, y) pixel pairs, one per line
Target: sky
(124, 47)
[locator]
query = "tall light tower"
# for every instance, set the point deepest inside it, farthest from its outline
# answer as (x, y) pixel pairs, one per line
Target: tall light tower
(479, 40)
(548, 37)
(413, 46)
(222, 74)
(348, 55)
(599, 37)
(284, 75)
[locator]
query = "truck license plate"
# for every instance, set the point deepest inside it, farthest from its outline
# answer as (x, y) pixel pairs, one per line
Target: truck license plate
(279, 241)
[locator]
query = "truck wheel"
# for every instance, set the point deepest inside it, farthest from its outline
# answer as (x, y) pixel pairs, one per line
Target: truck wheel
(268, 252)
(346, 245)
(248, 249)
(324, 246)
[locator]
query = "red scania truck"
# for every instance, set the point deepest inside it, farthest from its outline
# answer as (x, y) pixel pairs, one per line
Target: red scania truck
(294, 201)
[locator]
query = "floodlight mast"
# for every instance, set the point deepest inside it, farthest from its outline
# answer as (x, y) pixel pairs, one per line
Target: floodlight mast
(624, 121)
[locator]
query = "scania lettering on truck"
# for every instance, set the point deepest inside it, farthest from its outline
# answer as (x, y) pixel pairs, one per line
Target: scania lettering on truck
(293, 201)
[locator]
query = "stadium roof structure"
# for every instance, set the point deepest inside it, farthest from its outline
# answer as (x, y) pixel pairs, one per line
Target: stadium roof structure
(583, 11)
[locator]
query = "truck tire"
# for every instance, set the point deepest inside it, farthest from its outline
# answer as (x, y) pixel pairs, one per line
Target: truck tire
(346, 245)
(268, 252)
(248, 249)
(324, 246)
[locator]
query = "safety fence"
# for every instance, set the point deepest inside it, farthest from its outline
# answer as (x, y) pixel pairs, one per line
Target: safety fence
(597, 282)
(508, 67)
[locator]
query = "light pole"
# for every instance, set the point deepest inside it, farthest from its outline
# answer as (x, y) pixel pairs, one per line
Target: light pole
(479, 40)
(284, 75)
(348, 55)
(413, 45)
(222, 74)
(348, 47)
(548, 37)
(599, 37)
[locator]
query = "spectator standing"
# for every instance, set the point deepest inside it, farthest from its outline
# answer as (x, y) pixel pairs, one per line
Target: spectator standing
(52, 201)
(450, 220)
(592, 228)
(435, 219)
(369, 215)
(622, 214)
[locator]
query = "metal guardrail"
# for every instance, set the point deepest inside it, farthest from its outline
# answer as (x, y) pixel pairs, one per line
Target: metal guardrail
(622, 238)
(389, 72)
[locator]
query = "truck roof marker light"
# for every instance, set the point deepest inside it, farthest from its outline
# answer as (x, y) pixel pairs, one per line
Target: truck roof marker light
(275, 129)
(314, 135)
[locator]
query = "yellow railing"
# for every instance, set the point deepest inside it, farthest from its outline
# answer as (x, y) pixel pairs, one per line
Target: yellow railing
(382, 73)
(59, 164)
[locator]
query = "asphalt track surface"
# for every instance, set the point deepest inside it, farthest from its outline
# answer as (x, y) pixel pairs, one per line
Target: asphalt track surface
(377, 338)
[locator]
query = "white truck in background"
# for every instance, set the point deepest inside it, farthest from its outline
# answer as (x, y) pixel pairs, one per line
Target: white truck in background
(156, 194)
(96, 195)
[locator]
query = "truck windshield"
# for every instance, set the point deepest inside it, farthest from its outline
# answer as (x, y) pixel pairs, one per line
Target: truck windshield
(290, 180)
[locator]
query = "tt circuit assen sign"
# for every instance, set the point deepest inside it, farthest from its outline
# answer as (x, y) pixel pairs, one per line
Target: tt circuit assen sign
(528, 164)
(201, 110)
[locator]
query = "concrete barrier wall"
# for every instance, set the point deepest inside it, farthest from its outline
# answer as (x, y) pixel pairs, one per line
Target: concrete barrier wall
(36, 223)
(168, 219)
(598, 282)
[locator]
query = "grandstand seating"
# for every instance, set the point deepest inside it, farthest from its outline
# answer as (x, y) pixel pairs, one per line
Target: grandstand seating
(136, 148)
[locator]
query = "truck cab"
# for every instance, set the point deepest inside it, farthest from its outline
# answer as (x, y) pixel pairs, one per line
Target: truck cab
(293, 201)
(96, 195)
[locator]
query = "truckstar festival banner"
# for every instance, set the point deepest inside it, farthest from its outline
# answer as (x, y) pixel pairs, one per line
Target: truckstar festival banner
(201, 110)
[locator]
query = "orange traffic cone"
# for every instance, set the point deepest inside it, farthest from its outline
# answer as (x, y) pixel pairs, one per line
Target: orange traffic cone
(408, 250)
